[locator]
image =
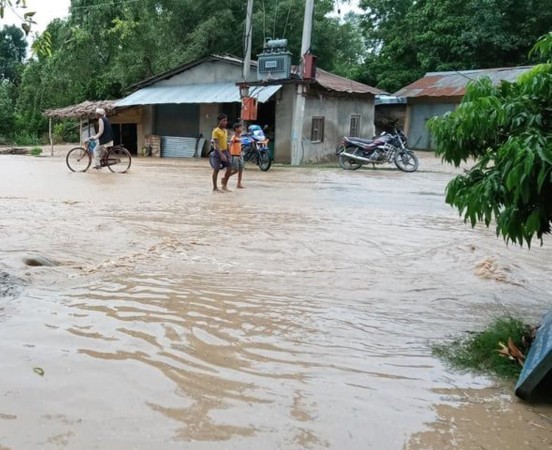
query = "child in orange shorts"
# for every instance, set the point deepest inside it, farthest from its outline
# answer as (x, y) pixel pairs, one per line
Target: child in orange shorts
(238, 163)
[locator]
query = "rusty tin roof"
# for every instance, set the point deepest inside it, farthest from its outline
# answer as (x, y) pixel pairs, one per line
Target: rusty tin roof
(340, 84)
(453, 84)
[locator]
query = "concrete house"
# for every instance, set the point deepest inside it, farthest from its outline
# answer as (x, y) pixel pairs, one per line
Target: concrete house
(177, 110)
(440, 92)
(334, 107)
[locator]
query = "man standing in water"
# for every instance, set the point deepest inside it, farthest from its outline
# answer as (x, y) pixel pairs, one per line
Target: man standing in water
(220, 156)
(104, 135)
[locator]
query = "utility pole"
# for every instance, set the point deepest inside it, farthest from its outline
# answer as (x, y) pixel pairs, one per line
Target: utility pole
(248, 40)
(299, 111)
(307, 27)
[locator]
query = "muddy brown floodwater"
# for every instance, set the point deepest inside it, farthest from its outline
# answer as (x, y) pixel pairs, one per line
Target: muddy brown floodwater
(298, 313)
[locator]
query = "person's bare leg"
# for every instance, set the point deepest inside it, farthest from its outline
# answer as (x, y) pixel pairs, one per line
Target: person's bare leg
(226, 178)
(215, 187)
(240, 175)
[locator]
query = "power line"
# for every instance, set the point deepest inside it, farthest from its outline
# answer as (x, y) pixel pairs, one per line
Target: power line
(291, 3)
(264, 21)
(13, 10)
(275, 17)
(101, 5)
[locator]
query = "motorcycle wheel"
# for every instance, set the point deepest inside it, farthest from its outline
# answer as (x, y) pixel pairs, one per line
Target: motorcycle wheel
(264, 161)
(348, 163)
(407, 161)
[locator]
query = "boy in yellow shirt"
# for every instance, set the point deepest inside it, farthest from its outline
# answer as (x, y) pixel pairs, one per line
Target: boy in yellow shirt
(220, 157)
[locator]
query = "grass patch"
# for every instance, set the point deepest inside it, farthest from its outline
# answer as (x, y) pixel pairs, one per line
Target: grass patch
(36, 151)
(26, 140)
(479, 351)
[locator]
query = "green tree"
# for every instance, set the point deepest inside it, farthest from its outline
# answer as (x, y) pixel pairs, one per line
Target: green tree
(13, 49)
(507, 129)
(390, 35)
(102, 48)
(7, 110)
(411, 37)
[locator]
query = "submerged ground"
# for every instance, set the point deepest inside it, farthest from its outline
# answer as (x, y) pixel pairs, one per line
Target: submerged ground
(297, 313)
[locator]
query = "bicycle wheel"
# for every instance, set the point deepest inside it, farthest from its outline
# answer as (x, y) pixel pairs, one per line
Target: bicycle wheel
(118, 160)
(78, 159)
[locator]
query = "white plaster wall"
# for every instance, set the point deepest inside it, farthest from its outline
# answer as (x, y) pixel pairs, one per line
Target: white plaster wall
(208, 72)
(337, 114)
(208, 113)
(285, 104)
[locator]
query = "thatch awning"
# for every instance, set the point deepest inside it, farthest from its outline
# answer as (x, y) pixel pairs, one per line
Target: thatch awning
(84, 110)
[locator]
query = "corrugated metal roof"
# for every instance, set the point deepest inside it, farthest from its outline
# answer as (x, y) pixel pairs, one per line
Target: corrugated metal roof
(340, 84)
(194, 93)
(453, 84)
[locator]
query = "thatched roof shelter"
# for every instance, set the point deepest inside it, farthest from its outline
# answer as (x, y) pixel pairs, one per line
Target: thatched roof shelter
(84, 110)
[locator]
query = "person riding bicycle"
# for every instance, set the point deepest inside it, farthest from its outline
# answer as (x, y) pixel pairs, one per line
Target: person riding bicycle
(104, 135)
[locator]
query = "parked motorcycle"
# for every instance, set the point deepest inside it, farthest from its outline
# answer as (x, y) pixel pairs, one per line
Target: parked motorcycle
(385, 148)
(255, 147)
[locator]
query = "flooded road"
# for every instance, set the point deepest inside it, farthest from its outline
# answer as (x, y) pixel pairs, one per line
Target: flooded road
(298, 313)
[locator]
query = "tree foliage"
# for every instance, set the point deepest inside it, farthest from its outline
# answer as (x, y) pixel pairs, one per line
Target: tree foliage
(411, 37)
(13, 49)
(507, 129)
(102, 48)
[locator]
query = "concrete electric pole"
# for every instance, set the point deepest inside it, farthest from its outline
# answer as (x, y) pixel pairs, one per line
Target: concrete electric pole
(299, 112)
(307, 27)
(248, 40)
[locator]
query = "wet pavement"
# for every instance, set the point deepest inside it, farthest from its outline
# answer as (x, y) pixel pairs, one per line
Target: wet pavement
(298, 313)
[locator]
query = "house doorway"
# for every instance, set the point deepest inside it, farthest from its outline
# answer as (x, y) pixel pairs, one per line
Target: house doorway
(126, 134)
(266, 116)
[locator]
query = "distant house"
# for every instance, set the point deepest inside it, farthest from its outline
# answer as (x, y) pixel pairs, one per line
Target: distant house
(184, 103)
(334, 107)
(440, 92)
(176, 110)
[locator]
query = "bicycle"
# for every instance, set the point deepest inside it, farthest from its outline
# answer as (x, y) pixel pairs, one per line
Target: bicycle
(117, 158)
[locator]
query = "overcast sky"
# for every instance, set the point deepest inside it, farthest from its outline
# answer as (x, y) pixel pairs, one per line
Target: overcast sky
(47, 10)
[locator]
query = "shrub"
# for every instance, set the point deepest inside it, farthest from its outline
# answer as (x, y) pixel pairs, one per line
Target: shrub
(5, 140)
(480, 351)
(26, 139)
(66, 132)
(36, 151)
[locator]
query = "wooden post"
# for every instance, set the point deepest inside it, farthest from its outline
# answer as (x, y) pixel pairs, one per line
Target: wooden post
(51, 137)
